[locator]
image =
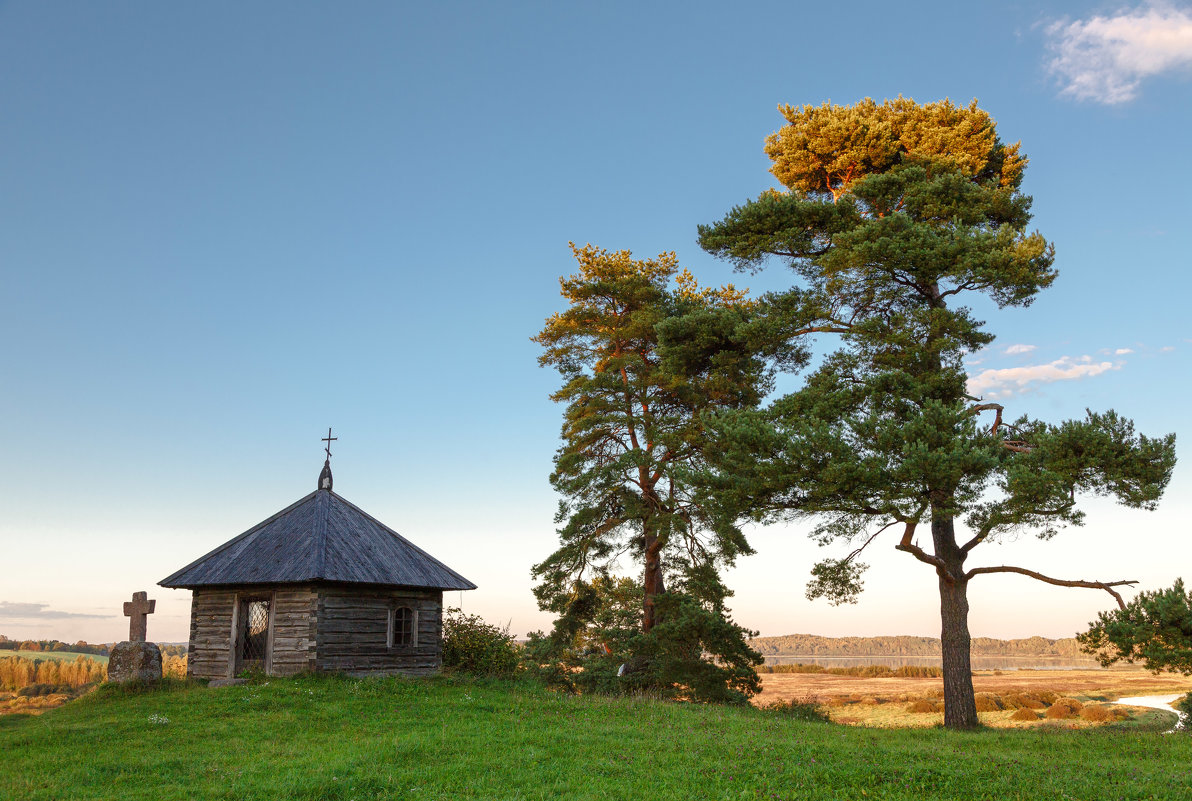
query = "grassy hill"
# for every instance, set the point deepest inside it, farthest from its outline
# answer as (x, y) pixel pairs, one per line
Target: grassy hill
(814, 645)
(449, 738)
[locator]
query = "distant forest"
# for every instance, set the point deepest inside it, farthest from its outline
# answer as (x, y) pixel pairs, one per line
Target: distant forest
(812, 645)
(80, 647)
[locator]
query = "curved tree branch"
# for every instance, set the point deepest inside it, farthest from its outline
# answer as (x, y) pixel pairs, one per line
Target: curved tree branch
(857, 552)
(1095, 585)
(914, 550)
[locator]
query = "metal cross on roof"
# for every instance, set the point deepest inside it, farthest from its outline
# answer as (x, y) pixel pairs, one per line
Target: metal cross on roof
(329, 439)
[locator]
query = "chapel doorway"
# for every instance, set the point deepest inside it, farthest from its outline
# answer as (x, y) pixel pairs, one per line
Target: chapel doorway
(252, 652)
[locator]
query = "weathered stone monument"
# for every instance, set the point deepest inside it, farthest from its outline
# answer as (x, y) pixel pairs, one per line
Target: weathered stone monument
(134, 658)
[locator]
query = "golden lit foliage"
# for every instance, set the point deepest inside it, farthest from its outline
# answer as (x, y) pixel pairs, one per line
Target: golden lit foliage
(826, 148)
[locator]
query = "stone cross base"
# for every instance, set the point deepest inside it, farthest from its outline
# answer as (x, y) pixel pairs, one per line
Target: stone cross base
(130, 661)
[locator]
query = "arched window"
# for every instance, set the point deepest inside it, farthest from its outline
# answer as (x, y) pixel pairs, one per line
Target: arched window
(403, 627)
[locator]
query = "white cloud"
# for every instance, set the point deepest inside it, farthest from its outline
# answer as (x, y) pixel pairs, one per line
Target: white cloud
(1167, 349)
(1123, 351)
(1013, 349)
(16, 610)
(1106, 58)
(1005, 381)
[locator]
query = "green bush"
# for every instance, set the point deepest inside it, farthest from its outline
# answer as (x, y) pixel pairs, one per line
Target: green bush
(472, 646)
(695, 651)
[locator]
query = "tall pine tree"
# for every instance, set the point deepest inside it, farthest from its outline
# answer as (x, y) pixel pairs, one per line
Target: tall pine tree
(632, 433)
(893, 214)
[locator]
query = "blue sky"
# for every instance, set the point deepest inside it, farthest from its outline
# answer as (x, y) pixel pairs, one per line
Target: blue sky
(228, 226)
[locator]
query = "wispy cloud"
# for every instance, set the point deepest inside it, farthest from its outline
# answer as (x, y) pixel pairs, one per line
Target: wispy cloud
(1167, 349)
(1123, 351)
(1015, 349)
(12, 610)
(1005, 381)
(1104, 59)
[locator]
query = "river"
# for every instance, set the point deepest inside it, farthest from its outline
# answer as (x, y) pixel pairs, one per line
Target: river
(1159, 702)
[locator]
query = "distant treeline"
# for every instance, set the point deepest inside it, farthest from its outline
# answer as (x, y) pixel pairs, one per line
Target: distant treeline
(79, 647)
(813, 645)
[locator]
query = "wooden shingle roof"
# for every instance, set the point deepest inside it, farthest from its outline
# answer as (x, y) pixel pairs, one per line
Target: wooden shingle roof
(322, 537)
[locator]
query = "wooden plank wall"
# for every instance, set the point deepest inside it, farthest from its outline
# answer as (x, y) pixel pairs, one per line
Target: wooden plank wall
(210, 634)
(353, 629)
(293, 649)
(211, 640)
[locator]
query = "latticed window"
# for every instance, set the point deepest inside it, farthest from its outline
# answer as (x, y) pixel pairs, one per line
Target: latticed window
(402, 624)
(255, 638)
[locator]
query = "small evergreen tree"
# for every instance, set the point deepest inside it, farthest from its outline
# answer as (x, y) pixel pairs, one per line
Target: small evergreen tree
(1154, 628)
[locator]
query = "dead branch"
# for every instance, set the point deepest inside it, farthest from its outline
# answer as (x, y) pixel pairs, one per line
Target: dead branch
(857, 552)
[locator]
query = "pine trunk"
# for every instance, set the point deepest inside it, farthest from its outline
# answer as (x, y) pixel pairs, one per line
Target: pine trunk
(652, 583)
(960, 705)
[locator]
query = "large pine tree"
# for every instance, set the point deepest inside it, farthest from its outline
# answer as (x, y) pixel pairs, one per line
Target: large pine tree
(893, 213)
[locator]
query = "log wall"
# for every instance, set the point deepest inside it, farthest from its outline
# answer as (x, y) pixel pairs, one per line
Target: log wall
(212, 637)
(353, 631)
(210, 634)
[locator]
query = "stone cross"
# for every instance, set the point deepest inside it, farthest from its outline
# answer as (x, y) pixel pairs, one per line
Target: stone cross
(137, 610)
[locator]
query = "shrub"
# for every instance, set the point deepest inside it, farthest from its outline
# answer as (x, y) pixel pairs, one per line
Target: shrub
(1046, 696)
(473, 646)
(1071, 704)
(1095, 714)
(1021, 701)
(989, 702)
(796, 668)
(919, 672)
(1060, 712)
(799, 710)
(923, 706)
(1023, 713)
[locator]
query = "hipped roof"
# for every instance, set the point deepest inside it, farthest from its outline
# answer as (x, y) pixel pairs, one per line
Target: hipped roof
(322, 537)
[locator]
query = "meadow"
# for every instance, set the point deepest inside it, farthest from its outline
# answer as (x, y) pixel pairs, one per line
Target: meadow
(59, 655)
(328, 737)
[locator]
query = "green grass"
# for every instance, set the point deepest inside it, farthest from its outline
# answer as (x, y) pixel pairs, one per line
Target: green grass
(67, 655)
(448, 738)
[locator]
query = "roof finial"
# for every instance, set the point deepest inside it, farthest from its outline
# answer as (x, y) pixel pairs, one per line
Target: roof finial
(325, 476)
